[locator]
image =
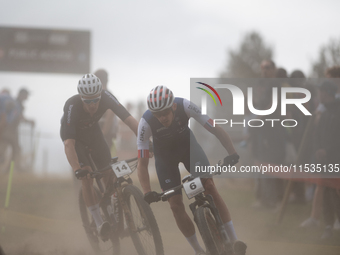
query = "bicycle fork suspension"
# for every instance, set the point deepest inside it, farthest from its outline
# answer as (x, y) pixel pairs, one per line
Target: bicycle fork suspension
(127, 212)
(200, 201)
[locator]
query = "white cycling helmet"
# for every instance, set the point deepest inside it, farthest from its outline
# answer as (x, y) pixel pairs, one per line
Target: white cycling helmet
(160, 98)
(89, 85)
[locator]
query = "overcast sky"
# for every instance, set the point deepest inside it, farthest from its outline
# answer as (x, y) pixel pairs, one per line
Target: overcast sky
(144, 43)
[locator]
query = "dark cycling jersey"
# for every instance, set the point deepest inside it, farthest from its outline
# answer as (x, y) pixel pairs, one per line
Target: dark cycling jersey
(173, 144)
(77, 124)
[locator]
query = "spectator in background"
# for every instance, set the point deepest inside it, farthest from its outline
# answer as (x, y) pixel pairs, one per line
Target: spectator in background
(298, 79)
(293, 134)
(334, 72)
(282, 79)
(268, 143)
(314, 219)
(7, 110)
(13, 134)
(109, 122)
(328, 150)
(268, 68)
(281, 73)
(21, 98)
(7, 115)
(264, 88)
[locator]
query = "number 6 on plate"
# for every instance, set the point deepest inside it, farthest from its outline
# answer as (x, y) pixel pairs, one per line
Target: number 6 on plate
(193, 187)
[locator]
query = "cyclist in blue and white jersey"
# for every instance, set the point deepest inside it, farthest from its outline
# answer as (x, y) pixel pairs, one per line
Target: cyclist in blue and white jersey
(173, 142)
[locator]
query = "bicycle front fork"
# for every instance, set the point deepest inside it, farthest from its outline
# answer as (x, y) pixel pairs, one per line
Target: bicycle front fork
(200, 201)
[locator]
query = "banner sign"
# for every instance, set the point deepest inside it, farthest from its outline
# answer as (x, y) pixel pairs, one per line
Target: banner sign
(44, 50)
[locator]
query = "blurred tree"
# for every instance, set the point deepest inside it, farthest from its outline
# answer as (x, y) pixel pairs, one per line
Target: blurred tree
(329, 55)
(246, 60)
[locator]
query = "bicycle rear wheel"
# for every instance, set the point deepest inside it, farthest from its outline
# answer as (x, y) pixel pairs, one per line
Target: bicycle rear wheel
(97, 244)
(207, 227)
(147, 238)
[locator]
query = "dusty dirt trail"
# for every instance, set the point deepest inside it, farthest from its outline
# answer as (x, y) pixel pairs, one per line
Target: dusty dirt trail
(43, 218)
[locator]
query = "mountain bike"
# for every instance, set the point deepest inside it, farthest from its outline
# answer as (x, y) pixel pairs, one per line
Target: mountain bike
(122, 205)
(206, 215)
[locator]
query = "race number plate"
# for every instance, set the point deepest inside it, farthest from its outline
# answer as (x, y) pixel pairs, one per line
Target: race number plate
(121, 169)
(193, 187)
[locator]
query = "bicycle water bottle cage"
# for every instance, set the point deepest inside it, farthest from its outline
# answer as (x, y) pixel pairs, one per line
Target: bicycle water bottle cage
(187, 178)
(114, 160)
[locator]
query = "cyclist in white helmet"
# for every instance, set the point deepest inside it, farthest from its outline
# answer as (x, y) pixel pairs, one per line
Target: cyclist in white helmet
(173, 142)
(80, 131)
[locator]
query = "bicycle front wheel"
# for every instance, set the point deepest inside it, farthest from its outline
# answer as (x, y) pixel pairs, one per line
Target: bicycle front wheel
(146, 236)
(209, 231)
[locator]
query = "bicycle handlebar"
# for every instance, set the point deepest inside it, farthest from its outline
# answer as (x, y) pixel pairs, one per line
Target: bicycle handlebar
(230, 160)
(84, 172)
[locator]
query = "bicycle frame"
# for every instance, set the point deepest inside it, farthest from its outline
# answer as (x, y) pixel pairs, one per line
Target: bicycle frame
(118, 187)
(202, 200)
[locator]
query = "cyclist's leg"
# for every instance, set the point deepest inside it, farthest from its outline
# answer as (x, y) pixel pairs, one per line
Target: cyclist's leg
(183, 220)
(211, 189)
(101, 156)
(87, 184)
(169, 177)
(88, 191)
(198, 158)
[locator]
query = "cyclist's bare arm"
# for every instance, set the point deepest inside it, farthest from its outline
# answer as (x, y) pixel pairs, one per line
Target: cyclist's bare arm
(120, 111)
(132, 123)
(109, 116)
(224, 138)
(71, 154)
(194, 111)
(143, 174)
(143, 144)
